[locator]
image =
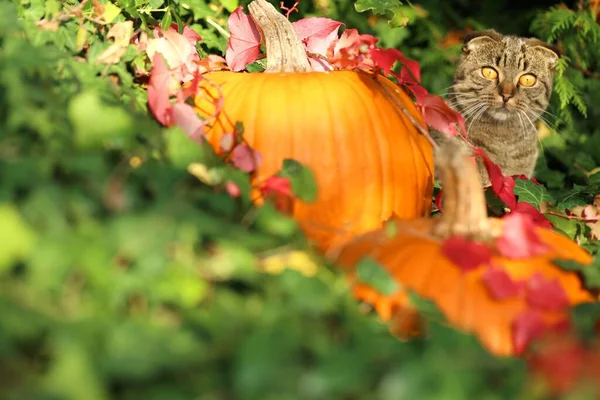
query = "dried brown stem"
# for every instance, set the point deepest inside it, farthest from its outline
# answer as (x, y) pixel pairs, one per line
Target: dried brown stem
(285, 52)
(465, 210)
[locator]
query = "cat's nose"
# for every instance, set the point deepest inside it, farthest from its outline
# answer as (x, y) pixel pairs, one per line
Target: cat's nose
(506, 90)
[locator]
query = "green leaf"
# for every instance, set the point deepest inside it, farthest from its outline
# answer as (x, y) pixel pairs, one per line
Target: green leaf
(532, 193)
(377, 6)
(181, 150)
(302, 179)
(16, 237)
(230, 5)
(96, 123)
(371, 273)
(167, 20)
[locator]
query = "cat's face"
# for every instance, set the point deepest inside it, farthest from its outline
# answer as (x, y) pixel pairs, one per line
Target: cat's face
(504, 77)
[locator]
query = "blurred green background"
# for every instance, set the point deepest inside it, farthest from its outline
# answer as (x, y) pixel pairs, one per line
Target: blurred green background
(122, 276)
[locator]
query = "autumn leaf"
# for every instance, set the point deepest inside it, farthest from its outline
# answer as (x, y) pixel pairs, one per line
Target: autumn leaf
(519, 238)
(158, 90)
(500, 285)
(243, 46)
(245, 158)
(545, 293)
(466, 254)
(279, 185)
(184, 116)
(527, 327)
(316, 27)
(537, 217)
(438, 115)
(501, 185)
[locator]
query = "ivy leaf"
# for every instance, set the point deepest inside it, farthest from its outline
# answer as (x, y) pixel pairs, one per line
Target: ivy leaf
(527, 327)
(546, 293)
(438, 115)
(500, 285)
(302, 179)
(519, 239)
(243, 46)
(501, 185)
(381, 7)
(466, 254)
(245, 158)
(371, 273)
(531, 193)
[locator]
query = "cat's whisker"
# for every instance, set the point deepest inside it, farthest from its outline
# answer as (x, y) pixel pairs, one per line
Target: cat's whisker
(482, 110)
(524, 112)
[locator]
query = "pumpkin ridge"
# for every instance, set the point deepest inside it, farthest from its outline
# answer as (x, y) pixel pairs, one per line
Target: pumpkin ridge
(369, 131)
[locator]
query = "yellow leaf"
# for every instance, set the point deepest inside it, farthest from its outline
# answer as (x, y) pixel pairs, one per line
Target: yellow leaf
(110, 12)
(295, 260)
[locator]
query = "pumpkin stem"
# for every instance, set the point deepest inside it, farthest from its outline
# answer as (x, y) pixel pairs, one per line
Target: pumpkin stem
(465, 210)
(285, 52)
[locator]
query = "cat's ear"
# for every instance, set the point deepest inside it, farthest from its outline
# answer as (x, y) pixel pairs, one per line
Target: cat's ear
(549, 52)
(475, 39)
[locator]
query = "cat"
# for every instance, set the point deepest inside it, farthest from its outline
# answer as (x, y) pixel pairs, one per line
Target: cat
(502, 86)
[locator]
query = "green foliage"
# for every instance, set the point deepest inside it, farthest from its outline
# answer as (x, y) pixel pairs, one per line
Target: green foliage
(125, 275)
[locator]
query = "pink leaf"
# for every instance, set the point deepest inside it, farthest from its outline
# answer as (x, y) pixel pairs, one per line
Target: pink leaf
(500, 285)
(526, 327)
(318, 36)
(316, 27)
(501, 185)
(352, 50)
(438, 115)
(546, 294)
(232, 189)
(466, 254)
(243, 46)
(519, 239)
(158, 90)
(245, 158)
(186, 118)
(538, 218)
(227, 141)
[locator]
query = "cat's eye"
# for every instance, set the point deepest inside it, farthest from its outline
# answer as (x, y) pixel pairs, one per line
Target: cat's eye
(527, 80)
(489, 73)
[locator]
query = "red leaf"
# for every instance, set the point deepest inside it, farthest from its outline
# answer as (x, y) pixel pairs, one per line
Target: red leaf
(519, 239)
(501, 185)
(438, 200)
(438, 115)
(277, 185)
(316, 27)
(158, 90)
(546, 294)
(185, 117)
(538, 218)
(466, 254)
(245, 158)
(232, 189)
(500, 285)
(243, 46)
(559, 361)
(526, 327)
(385, 59)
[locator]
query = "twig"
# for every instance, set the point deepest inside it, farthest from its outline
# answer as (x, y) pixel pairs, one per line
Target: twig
(289, 10)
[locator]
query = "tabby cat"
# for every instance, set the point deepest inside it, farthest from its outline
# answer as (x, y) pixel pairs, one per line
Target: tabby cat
(501, 87)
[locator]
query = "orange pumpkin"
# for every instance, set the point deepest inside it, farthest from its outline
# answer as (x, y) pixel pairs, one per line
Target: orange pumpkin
(369, 160)
(413, 254)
